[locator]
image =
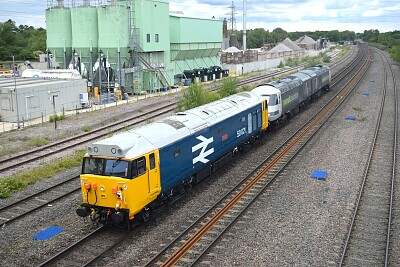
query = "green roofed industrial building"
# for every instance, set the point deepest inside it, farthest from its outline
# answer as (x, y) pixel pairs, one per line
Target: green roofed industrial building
(136, 45)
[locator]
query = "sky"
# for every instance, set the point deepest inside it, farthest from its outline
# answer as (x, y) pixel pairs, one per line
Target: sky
(290, 15)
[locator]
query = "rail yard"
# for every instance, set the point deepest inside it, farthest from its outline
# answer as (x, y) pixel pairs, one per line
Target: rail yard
(286, 219)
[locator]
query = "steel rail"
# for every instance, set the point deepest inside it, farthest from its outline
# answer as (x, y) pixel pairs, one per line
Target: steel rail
(10, 206)
(44, 204)
(366, 170)
(95, 132)
(395, 145)
(3, 161)
(190, 243)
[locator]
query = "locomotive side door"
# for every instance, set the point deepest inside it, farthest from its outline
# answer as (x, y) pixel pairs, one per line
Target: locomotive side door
(264, 115)
(154, 174)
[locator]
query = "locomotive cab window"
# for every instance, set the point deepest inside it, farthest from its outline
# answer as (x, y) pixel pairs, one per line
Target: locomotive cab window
(116, 167)
(273, 100)
(138, 167)
(92, 166)
(106, 167)
(141, 166)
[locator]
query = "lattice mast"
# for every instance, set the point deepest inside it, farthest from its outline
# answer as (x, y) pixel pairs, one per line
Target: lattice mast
(232, 19)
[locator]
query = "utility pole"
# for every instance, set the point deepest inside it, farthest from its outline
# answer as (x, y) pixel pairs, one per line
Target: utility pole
(15, 90)
(244, 24)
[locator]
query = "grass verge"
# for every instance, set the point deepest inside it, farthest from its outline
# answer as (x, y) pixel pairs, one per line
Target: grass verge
(19, 181)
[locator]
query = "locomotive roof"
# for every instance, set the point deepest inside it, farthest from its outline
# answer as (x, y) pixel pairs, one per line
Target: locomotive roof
(138, 141)
(291, 81)
(302, 76)
(319, 69)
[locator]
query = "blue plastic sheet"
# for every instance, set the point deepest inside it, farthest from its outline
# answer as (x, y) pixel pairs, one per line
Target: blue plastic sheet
(48, 233)
(317, 174)
(351, 117)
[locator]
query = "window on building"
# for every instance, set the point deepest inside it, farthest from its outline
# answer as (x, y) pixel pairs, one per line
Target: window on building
(156, 38)
(148, 38)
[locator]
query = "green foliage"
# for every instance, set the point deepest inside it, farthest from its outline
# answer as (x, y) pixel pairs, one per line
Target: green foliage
(87, 128)
(21, 180)
(291, 62)
(229, 87)
(195, 96)
(389, 41)
(259, 37)
(37, 141)
(395, 53)
(25, 42)
(311, 61)
(245, 88)
(56, 117)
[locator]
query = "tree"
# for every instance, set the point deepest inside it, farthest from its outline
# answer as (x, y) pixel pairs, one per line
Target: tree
(24, 42)
(256, 38)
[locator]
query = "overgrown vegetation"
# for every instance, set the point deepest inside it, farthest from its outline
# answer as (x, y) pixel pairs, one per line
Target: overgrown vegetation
(23, 41)
(87, 128)
(229, 87)
(388, 41)
(56, 117)
(37, 141)
(260, 37)
(19, 181)
(195, 95)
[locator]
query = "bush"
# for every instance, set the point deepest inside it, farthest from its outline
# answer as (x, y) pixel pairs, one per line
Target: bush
(87, 128)
(195, 96)
(229, 87)
(37, 141)
(394, 53)
(56, 117)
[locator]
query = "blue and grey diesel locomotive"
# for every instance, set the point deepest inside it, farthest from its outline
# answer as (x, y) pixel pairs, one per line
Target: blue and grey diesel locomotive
(291, 94)
(129, 174)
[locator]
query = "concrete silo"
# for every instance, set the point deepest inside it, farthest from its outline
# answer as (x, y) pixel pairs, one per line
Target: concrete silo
(113, 44)
(59, 33)
(84, 39)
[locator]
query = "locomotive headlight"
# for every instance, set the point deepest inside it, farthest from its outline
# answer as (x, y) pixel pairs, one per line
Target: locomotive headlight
(102, 188)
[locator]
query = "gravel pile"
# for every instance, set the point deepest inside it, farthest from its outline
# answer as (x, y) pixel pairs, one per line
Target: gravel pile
(300, 221)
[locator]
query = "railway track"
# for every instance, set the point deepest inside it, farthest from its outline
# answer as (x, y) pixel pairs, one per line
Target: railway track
(91, 246)
(11, 163)
(225, 212)
(193, 244)
(66, 256)
(368, 239)
(26, 157)
(38, 201)
(43, 198)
